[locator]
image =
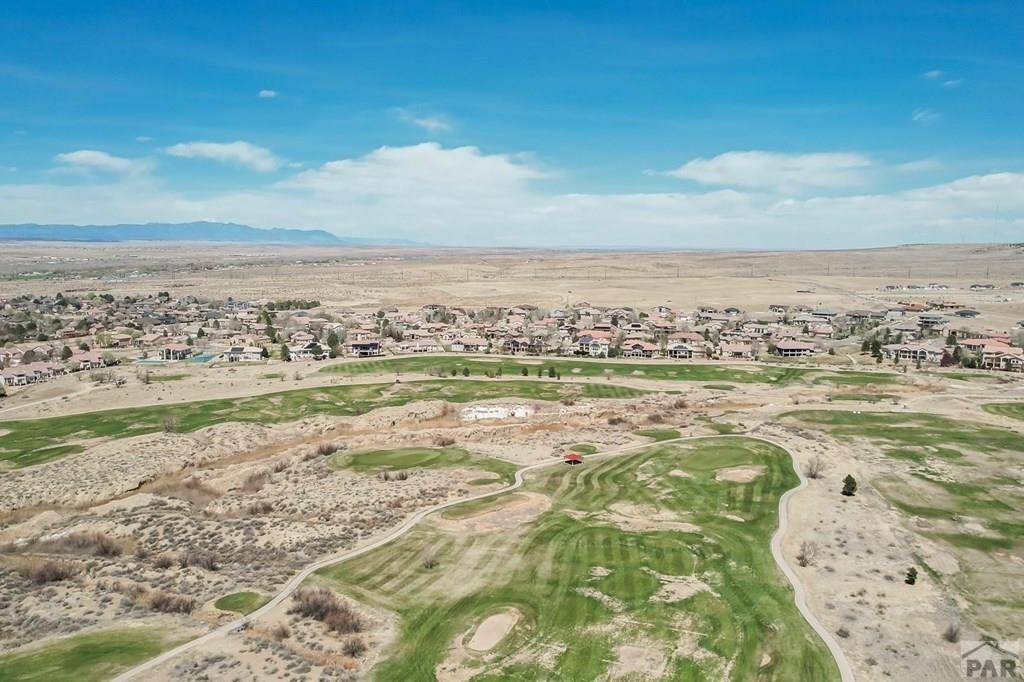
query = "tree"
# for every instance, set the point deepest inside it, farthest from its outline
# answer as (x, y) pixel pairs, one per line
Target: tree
(285, 354)
(201, 333)
(3, 390)
(66, 353)
(911, 576)
(849, 486)
(332, 340)
(264, 353)
(808, 550)
(951, 339)
(189, 341)
(814, 467)
(525, 372)
(551, 372)
(465, 371)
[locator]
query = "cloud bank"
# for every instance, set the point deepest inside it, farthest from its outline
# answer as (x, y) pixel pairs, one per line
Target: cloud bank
(465, 196)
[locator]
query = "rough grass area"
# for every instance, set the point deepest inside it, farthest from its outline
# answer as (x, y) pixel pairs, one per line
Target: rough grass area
(33, 441)
(421, 458)
(720, 387)
(658, 434)
(864, 397)
(82, 658)
(585, 586)
(853, 378)
(1011, 410)
(167, 377)
(957, 481)
(241, 602)
(512, 367)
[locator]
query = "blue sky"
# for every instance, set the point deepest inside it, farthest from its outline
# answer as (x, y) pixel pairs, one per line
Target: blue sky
(655, 124)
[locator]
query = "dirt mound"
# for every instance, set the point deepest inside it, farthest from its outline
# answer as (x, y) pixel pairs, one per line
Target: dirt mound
(739, 474)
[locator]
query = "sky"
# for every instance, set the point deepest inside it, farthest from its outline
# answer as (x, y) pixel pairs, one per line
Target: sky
(576, 124)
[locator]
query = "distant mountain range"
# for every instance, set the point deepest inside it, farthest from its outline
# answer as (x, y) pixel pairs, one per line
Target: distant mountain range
(184, 232)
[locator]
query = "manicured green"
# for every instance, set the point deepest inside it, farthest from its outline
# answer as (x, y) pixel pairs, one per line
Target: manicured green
(82, 658)
(1011, 410)
(583, 448)
(374, 461)
(32, 441)
(658, 434)
(442, 365)
(241, 602)
(544, 566)
(167, 377)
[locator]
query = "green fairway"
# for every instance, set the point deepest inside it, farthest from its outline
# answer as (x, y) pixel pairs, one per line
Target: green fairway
(1011, 410)
(658, 434)
(511, 367)
(241, 602)
(32, 441)
(421, 458)
(82, 658)
(853, 378)
(707, 599)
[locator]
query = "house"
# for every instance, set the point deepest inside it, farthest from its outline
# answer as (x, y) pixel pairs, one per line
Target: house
(736, 350)
(593, 346)
(176, 351)
(794, 349)
(365, 348)
(86, 360)
(681, 350)
(966, 312)
(243, 354)
(1008, 360)
(638, 349)
(469, 344)
(307, 351)
(918, 352)
(16, 376)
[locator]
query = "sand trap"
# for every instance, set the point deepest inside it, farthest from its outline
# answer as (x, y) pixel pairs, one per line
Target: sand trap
(493, 629)
(609, 601)
(739, 474)
(637, 662)
(511, 513)
(675, 588)
(478, 412)
(634, 518)
(679, 473)
(733, 517)
(599, 572)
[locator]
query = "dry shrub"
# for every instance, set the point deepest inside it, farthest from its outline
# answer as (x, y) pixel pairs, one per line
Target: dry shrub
(354, 647)
(808, 551)
(616, 421)
(443, 441)
(394, 475)
(94, 543)
(279, 466)
(280, 632)
(951, 633)
(254, 482)
(164, 561)
(171, 423)
(655, 418)
(43, 571)
(680, 404)
(198, 559)
(192, 490)
(325, 449)
(259, 508)
(319, 603)
(165, 602)
(815, 467)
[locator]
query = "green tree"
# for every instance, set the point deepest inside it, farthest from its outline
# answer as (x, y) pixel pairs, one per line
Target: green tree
(285, 354)
(849, 486)
(66, 353)
(525, 372)
(264, 353)
(465, 371)
(911, 576)
(551, 372)
(201, 333)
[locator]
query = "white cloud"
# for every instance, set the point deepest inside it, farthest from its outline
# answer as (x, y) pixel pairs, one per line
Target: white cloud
(432, 124)
(933, 74)
(464, 195)
(143, 138)
(953, 83)
(85, 160)
(919, 166)
(239, 153)
(924, 115)
(784, 172)
(267, 94)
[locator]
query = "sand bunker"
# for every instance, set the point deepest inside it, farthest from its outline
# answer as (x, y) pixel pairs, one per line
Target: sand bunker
(510, 513)
(637, 662)
(675, 588)
(679, 473)
(634, 518)
(493, 629)
(739, 474)
(479, 412)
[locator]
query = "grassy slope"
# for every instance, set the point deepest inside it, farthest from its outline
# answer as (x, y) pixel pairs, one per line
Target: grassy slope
(977, 492)
(422, 458)
(81, 658)
(241, 602)
(38, 440)
(1011, 410)
(569, 368)
(540, 570)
